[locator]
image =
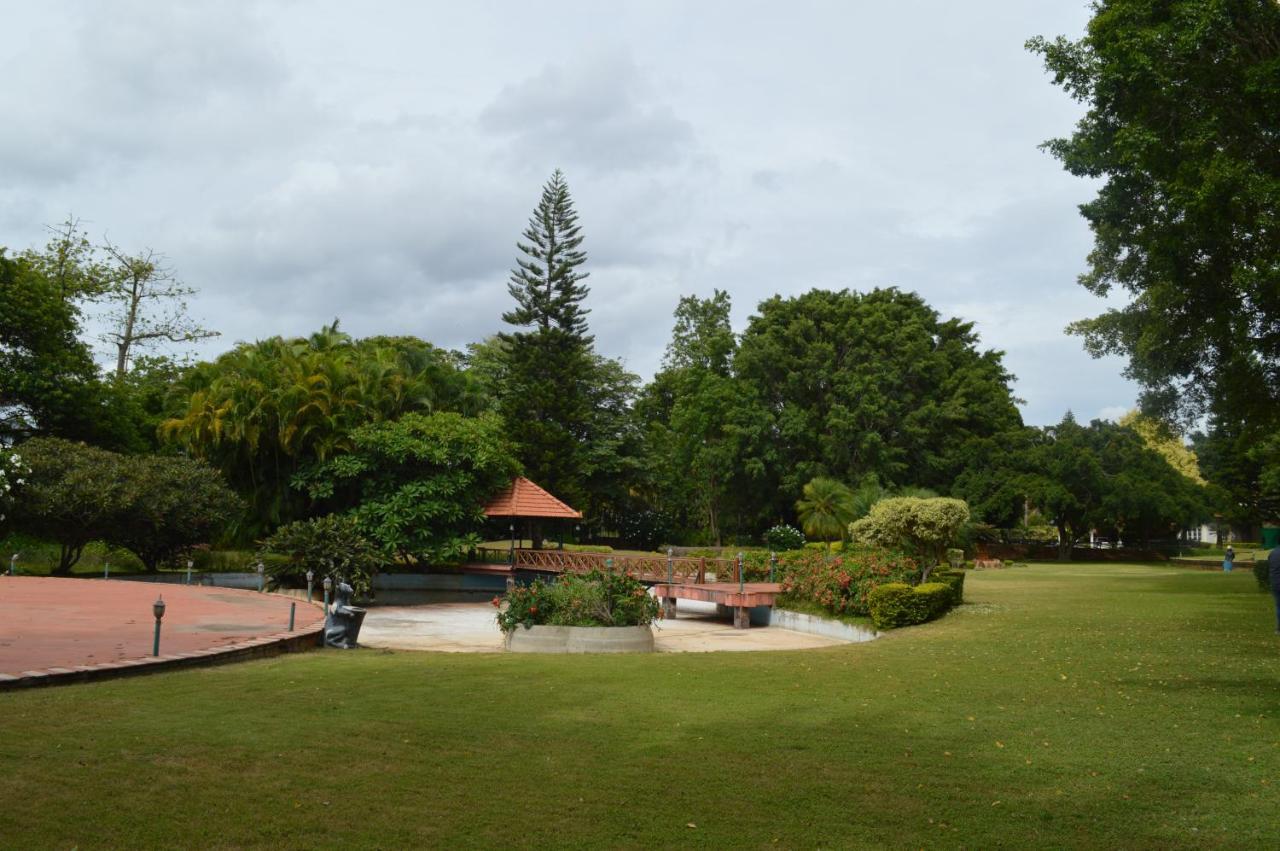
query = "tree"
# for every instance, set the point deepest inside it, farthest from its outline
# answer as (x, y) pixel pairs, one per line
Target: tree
(150, 306)
(923, 528)
(332, 546)
(546, 283)
(70, 262)
(545, 397)
(74, 494)
(698, 421)
(265, 411)
(1159, 438)
(48, 380)
(417, 486)
(859, 384)
(173, 503)
(1183, 115)
(825, 510)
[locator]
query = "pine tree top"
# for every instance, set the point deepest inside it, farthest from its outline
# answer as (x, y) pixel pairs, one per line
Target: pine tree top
(546, 283)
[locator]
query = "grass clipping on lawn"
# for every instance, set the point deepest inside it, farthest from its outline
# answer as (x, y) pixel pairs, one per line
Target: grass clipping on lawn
(1064, 705)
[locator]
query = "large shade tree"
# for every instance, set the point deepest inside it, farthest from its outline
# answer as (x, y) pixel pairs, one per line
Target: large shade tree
(1181, 129)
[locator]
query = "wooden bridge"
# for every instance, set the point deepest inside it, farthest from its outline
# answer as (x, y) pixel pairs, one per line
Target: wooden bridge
(672, 578)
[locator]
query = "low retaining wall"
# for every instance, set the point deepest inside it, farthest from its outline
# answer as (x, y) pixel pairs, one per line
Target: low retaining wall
(801, 622)
(581, 639)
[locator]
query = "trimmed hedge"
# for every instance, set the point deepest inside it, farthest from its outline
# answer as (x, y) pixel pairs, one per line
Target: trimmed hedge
(896, 604)
(954, 578)
(1262, 572)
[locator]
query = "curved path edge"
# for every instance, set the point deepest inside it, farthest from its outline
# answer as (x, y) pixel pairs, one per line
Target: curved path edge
(304, 638)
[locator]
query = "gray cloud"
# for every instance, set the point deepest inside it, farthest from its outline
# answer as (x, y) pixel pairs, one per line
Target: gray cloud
(302, 161)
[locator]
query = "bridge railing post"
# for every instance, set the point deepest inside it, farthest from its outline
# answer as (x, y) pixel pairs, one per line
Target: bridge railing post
(702, 569)
(671, 565)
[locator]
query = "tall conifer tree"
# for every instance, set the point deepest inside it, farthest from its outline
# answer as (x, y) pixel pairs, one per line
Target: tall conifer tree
(546, 397)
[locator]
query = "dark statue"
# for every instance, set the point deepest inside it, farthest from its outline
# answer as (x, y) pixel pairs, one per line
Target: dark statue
(342, 625)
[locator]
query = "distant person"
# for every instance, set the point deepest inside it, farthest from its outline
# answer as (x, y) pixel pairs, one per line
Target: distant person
(1229, 561)
(1273, 568)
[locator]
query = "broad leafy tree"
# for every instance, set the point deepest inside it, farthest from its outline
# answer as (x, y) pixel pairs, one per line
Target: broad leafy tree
(871, 384)
(416, 486)
(265, 411)
(1183, 101)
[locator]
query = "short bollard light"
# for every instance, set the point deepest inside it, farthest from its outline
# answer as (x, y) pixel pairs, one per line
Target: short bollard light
(328, 586)
(157, 608)
(310, 576)
(106, 570)
(13, 564)
(773, 567)
(293, 609)
(740, 577)
(190, 564)
(262, 579)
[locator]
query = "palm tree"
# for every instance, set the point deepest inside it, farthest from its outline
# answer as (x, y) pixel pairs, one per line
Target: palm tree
(826, 510)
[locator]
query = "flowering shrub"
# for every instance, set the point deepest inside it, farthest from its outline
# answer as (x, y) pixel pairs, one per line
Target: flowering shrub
(12, 475)
(592, 599)
(843, 583)
(783, 537)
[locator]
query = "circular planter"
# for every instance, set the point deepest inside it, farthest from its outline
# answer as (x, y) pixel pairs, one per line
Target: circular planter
(581, 639)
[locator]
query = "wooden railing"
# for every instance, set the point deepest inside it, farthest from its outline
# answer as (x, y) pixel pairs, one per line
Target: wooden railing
(655, 568)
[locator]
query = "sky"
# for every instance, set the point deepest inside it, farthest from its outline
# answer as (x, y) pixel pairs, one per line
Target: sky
(298, 162)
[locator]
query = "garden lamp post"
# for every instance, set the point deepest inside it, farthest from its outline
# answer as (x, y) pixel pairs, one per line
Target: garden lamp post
(670, 564)
(13, 564)
(106, 570)
(262, 579)
(190, 564)
(513, 544)
(310, 576)
(157, 608)
(328, 586)
(740, 577)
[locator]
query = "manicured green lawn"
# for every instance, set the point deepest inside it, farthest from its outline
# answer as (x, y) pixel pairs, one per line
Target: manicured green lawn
(1063, 706)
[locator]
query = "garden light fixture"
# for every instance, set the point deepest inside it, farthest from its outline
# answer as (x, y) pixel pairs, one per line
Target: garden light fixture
(157, 608)
(310, 576)
(262, 582)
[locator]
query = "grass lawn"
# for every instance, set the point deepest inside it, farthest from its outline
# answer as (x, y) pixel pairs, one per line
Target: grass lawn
(1063, 706)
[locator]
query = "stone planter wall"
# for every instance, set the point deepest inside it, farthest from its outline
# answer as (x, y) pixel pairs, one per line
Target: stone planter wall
(581, 639)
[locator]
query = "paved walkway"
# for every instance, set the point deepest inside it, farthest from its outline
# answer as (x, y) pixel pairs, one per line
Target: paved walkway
(471, 628)
(71, 623)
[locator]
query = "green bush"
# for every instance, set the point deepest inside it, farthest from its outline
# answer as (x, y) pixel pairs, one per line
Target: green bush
(925, 528)
(954, 579)
(841, 584)
(591, 599)
(783, 537)
(897, 604)
(330, 546)
(1262, 571)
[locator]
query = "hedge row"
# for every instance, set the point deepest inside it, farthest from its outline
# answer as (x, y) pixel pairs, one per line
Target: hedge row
(898, 604)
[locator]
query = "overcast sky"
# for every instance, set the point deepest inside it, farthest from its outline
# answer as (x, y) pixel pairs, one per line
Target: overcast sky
(300, 161)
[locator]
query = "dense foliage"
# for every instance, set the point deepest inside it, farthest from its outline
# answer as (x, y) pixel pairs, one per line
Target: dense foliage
(331, 546)
(896, 604)
(265, 411)
(925, 528)
(416, 486)
(842, 584)
(591, 599)
(1183, 115)
(783, 537)
(156, 507)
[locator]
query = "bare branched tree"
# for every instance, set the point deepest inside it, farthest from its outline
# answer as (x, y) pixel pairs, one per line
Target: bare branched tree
(149, 305)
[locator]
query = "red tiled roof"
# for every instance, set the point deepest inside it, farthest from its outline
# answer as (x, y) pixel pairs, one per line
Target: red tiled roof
(525, 499)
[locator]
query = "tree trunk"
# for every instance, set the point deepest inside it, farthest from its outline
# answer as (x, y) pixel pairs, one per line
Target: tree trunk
(1064, 544)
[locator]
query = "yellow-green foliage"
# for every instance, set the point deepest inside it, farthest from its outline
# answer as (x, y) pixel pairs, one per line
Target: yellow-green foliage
(1156, 435)
(896, 604)
(921, 527)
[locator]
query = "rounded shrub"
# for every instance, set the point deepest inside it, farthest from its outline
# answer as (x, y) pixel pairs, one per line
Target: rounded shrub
(784, 537)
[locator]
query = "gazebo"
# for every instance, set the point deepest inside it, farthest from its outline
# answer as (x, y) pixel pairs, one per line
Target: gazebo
(525, 500)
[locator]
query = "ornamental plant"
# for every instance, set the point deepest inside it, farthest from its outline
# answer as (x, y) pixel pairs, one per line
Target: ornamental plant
(591, 599)
(843, 583)
(332, 545)
(13, 472)
(784, 537)
(922, 527)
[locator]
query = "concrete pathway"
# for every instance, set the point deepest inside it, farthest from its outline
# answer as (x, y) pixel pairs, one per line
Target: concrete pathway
(471, 628)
